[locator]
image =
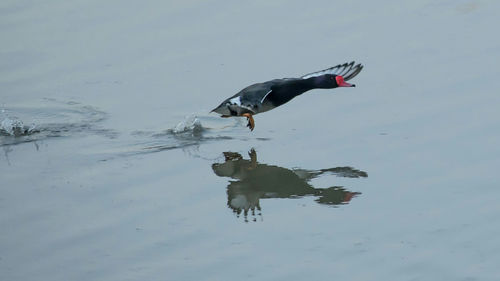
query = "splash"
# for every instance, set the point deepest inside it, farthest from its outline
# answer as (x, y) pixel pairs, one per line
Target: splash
(13, 126)
(191, 123)
(188, 134)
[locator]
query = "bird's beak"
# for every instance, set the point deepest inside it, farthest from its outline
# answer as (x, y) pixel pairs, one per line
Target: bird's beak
(345, 84)
(342, 83)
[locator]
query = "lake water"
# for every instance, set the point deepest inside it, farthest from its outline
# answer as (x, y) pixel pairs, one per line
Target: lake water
(112, 168)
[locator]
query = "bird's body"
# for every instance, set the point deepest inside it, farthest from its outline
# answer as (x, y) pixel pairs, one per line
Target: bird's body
(261, 97)
(257, 98)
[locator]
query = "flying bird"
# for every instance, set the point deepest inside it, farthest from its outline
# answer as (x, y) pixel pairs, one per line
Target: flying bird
(262, 97)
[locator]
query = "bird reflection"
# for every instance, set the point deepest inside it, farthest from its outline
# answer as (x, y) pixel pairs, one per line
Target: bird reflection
(253, 180)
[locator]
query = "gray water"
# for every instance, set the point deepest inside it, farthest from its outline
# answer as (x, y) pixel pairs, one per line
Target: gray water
(112, 168)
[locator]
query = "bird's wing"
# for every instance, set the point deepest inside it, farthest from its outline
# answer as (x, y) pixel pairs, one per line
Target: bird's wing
(273, 87)
(265, 96)
(257, 93)
(346, 70)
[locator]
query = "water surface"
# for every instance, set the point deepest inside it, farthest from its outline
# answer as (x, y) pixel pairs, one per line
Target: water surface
(112, 168)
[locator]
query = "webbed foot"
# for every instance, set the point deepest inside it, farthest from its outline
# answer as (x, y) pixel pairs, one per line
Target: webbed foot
(251, 122)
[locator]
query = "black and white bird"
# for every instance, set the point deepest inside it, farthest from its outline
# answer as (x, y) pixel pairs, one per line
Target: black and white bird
(265, 96)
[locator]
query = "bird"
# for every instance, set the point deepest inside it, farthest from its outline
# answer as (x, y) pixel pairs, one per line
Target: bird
(262, 97)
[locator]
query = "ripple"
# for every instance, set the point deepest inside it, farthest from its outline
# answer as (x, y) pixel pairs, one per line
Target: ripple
(192, 131)
(49, 119)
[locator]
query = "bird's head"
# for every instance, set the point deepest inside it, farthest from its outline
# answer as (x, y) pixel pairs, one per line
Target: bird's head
(329, 81)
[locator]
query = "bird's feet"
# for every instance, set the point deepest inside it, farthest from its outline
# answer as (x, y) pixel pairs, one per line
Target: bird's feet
(251, 123)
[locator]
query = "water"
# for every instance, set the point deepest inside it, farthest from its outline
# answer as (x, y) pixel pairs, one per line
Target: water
(112, 167)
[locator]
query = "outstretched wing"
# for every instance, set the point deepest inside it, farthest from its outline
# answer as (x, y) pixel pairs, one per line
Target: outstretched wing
(346, 70)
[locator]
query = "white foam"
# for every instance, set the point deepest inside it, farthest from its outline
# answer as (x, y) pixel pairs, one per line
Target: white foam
(190, 123)
(15, 127)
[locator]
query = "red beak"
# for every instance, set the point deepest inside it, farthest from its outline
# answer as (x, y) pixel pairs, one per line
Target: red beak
(342, 83)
